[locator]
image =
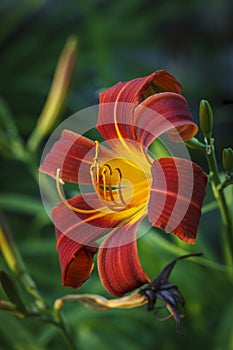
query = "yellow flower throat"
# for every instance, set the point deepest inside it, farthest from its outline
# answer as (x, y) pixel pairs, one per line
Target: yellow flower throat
(119, 183)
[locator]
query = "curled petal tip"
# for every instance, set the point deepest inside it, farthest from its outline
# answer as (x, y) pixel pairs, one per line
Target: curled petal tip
(78, 270)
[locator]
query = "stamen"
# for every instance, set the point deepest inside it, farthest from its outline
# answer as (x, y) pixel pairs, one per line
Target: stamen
(106, 174)
(96, 162)
(110, 192)
(95, 166)
(65, 201)
(104, 183)
(109, 168)
(106, 168)
(95, 169)
(103, 179)
(120, 188)
(93, 177)
(95, 174)
(96, 150)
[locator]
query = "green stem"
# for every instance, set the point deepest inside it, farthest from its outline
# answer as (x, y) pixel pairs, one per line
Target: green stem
(16, 264)
(219, 194)
(196, 144)
(53, 316)
(221, 199)
(227, 182)
(14, 260)
(66, 333)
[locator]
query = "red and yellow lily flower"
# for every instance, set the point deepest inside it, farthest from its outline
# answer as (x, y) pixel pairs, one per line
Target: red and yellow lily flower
(127, 183)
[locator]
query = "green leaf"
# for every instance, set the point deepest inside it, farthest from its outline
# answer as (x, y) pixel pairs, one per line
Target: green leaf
(20, 203)
(209, 207)
(225, 329)
(182, 248)
(18, 334)
(11, 290)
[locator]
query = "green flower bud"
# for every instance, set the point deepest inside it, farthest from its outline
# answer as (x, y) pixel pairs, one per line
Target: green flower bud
(206, 118)
(227, 160)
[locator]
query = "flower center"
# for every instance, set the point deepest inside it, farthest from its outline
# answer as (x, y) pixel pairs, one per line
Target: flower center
(121, 183)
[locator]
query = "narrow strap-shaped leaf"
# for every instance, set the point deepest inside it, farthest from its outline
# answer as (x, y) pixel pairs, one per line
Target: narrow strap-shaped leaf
(10, 288)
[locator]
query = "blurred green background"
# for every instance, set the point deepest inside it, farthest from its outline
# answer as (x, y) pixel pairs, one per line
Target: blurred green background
(117, 40)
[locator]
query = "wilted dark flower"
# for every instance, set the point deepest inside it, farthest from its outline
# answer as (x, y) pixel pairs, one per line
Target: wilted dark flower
(160, 288)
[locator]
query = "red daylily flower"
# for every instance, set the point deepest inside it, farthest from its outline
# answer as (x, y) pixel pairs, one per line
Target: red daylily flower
(127, 183)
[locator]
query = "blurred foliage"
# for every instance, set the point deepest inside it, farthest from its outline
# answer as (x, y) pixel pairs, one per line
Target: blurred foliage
(118, 40)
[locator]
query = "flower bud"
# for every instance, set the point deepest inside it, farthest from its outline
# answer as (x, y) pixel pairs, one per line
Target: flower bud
(57, 94)
(227, 160)
(206, 118)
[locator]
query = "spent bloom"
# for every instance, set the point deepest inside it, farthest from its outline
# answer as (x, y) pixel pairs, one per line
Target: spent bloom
(124, 183)
(159, 289)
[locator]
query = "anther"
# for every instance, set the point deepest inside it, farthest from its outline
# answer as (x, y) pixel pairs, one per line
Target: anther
(101, 178)
(107, 169)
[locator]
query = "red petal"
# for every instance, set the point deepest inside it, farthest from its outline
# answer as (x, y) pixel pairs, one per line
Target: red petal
(126, 111)
(177, 193)
(119, 267)
(166, 82)
(76, 235)
(71, 153)
(161, 113)
(76, 261)
(131, 92)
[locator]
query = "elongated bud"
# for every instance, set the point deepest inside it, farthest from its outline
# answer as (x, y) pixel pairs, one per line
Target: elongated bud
(206, 118)
(57, 94)
(227, 160)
